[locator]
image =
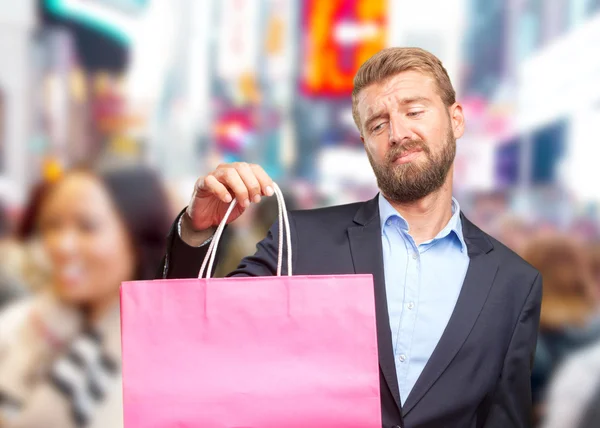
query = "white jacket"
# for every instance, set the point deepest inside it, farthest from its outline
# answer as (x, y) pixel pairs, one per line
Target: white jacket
(33, 334)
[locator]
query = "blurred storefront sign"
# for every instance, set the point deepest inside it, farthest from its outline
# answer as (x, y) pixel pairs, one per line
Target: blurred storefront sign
(486, 119)
(238, 38)
(233, 131)
(18, 20)
(338, 36)
(563, 76)
(128, 6)
(116, 18)
(582, 171)
(558, 104)
(17, 13)
(101, 34)
(2, 130)
(278, 43)
(474, 165)
(344, 174)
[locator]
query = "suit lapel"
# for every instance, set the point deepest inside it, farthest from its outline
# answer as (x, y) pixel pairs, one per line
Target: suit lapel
(477, 284)
(367, 256)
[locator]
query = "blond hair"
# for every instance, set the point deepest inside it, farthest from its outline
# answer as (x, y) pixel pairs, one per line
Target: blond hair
(392, 61)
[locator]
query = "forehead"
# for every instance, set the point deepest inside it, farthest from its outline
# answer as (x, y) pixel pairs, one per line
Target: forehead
(76, 191)
(405, 85)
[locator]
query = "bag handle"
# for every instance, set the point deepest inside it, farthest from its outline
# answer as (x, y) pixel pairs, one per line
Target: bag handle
(284, 222)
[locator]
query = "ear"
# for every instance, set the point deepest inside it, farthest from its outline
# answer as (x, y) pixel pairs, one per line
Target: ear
(362, 138)
(457, 120)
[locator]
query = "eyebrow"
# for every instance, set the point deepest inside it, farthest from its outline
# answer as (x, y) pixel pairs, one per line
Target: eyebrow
(412, 100)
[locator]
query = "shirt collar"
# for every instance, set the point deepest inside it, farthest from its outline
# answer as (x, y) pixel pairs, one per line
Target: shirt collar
(388, 212)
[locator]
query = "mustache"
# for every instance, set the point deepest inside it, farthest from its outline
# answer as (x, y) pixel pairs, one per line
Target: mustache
(399, 150)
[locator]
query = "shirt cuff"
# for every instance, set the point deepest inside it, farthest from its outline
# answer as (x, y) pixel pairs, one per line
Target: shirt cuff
(180, 237)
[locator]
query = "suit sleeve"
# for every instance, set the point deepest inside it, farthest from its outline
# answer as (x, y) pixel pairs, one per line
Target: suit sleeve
(511, 405)
(184, 261)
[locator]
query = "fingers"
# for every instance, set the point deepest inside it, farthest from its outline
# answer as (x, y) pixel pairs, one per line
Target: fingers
(212, 185)
(231, 179)
(265, 181)
(250, 180)
(245, 182)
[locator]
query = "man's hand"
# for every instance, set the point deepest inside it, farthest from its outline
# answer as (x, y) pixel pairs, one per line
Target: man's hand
(214, 192)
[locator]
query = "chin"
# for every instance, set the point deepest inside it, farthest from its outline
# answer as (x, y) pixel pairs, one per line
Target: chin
(72, 295)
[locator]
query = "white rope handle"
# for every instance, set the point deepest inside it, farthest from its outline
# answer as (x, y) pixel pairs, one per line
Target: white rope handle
(215, 241)
(284, 225)
(284, 222)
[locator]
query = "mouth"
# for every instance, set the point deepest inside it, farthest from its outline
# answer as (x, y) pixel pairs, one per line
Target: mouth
(71, 274)
(407, 156)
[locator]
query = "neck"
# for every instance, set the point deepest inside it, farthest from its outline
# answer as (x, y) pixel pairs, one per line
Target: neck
(429, 215)
(96, 311)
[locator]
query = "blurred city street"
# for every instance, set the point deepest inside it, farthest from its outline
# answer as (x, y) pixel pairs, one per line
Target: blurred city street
(132, 100)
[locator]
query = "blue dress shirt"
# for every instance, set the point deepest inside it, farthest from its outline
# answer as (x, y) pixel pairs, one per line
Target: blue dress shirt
(422, 285)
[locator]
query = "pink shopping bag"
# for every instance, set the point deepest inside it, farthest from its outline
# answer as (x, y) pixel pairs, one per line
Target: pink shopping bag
(251, 352)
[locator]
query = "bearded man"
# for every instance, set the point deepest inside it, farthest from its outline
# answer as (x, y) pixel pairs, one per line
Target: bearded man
(457, 312)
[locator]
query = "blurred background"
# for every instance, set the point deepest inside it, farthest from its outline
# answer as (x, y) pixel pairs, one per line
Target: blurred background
(174, 87)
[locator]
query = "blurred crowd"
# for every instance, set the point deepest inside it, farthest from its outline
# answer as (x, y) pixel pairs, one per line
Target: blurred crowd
(80, 235)
(566, 370)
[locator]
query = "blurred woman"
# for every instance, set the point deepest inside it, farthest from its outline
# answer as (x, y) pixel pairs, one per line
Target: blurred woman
(60, 350)
(567, 305)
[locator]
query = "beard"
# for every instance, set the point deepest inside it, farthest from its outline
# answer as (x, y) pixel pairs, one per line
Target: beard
(412, 181)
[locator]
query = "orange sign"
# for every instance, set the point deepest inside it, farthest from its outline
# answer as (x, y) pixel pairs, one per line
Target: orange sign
(339, 35)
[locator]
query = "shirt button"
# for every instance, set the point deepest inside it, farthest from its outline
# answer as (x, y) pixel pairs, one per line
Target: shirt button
(389, 222)
(411, 305)
(415, 256)
(402, 358)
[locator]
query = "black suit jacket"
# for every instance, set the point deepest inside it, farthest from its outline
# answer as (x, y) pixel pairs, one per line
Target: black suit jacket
(479, 374)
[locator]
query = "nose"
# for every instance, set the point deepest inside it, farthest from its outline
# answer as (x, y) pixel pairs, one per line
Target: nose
(400, 131)
(65, 243)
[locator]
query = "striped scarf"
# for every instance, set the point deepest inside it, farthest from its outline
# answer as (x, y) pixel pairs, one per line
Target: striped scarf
(82, 374)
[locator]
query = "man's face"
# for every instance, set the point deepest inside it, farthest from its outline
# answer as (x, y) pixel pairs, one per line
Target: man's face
(409, 135)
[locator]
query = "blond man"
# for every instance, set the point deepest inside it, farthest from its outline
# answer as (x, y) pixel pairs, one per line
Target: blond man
(457, 312)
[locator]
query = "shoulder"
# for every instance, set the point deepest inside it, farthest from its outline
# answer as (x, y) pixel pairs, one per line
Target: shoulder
(507, 259)
(12, 318)
(333, 214)
(332, 222)
(510, 259)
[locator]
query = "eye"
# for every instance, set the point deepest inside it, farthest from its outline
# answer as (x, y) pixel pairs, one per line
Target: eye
(415, 113)
(88, 225)
(51, 224)
(378, 127)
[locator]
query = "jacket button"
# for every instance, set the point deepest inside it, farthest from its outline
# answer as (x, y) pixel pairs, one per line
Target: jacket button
(396, 426)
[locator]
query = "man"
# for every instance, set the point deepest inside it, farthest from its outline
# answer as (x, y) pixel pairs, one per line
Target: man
(457, 312)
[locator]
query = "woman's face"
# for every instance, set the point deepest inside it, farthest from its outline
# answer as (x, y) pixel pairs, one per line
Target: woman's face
(86, 240)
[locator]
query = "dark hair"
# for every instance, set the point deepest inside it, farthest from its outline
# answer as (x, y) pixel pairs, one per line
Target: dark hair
(5, 225)
(140, 198)
(28, 223)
